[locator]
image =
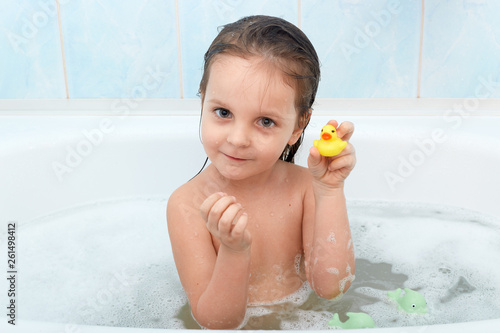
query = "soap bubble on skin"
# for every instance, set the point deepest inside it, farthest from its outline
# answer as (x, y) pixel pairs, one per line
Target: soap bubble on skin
(332, 270)
(338, 297)
(331, 238)
(350, 278)
(297, 260)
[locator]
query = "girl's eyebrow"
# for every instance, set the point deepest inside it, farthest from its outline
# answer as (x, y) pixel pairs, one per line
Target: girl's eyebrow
(274, 113)
(268, 113)
(217, 102)
(271, 114)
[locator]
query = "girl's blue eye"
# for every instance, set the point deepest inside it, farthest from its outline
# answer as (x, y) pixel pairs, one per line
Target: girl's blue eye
(267, 122)
(223, 113)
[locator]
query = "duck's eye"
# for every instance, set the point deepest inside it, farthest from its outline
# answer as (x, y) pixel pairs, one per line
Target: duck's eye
(333, 131)
(321, 130)
(413, 306)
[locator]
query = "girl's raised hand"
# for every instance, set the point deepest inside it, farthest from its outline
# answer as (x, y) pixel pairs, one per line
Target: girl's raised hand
(226, 221)
(330, 172)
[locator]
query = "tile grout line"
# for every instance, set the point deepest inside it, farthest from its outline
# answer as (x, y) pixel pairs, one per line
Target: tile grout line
(419, 80)
(179, 52)
(62, 50)
(299, 12)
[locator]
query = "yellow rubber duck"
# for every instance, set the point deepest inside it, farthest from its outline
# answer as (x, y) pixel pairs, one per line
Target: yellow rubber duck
(329, 144)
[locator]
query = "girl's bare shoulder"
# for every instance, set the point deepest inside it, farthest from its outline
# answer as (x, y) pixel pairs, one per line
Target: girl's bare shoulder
(297, 171)
(301, 178)
(186, 197)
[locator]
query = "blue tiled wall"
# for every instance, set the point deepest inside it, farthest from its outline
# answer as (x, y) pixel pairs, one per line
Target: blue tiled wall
(154, 48)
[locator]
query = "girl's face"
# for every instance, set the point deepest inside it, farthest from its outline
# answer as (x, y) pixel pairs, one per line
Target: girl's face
(248, 116)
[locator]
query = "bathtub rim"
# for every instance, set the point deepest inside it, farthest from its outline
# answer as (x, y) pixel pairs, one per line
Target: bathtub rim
(191, 107)
(25, 326)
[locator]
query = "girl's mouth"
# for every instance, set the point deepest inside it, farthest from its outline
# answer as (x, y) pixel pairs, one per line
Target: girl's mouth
(234, 158)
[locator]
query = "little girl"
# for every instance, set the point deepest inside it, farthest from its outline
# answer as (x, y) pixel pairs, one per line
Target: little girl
(253, 227)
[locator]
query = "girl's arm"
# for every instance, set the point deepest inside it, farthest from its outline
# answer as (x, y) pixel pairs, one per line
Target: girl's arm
(215, 283)
(327, 236)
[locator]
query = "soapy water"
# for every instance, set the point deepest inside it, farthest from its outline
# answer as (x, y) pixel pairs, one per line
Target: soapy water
(110, 263)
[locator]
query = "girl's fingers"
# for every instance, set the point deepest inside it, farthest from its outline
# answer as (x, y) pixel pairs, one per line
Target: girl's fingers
(347, 161)
(348, 150)
(216, 211)
(228, 217)
(334, 123)
(220, 207)
(240, 226)
(347, 158)
(226, 221)
(345, 130)
(220, 212)
(207, 205)
(314, 157)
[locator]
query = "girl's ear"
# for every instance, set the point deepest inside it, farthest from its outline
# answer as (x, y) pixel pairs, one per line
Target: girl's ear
(295, 136)
(303, 121)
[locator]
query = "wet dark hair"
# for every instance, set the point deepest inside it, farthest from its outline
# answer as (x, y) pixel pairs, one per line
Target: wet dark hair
(283, 45)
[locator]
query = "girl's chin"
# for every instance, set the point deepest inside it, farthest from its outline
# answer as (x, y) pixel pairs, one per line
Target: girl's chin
(234, 174)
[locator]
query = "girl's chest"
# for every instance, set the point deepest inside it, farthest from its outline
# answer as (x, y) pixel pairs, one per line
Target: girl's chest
(275, 227)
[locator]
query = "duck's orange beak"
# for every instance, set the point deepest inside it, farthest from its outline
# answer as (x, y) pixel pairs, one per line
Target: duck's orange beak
(326, 136)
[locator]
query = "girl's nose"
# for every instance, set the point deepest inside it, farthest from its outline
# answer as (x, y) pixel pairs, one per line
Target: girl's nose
(239, 136)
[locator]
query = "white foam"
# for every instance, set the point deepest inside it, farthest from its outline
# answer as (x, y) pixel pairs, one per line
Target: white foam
(105, 264)
(434, 246)
(110, 263)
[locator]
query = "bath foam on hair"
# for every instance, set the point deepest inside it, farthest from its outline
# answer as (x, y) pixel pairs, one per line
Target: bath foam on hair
(110, 263)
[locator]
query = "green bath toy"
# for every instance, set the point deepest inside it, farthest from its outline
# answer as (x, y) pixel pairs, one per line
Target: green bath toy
(355, 320)
(411, 301)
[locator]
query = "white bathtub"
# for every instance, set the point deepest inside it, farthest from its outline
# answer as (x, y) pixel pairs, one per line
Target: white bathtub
(59, 154)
